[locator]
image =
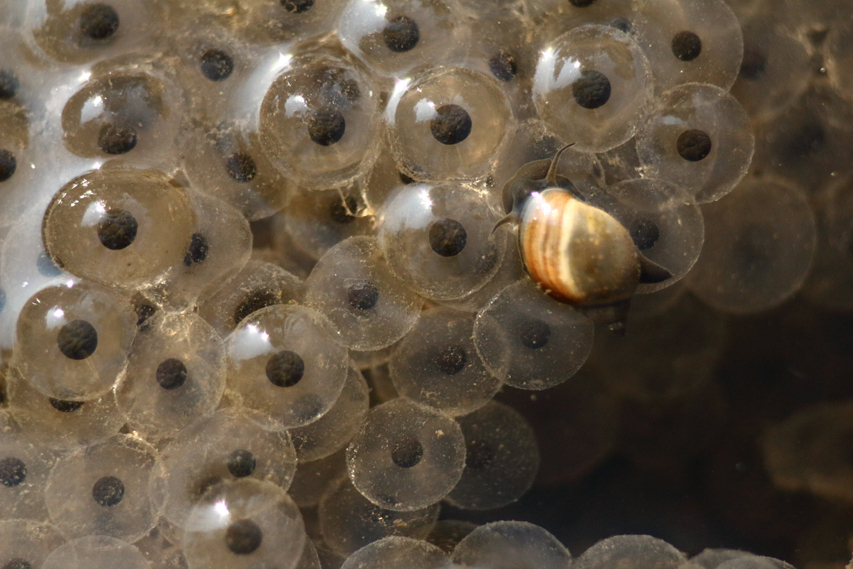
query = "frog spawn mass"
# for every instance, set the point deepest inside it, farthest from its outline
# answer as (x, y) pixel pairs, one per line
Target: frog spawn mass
(263, 259)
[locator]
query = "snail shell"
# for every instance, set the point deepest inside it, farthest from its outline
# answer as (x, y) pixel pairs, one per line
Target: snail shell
(578, 253)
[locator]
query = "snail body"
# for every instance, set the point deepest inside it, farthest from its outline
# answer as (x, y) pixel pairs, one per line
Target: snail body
(578, 253)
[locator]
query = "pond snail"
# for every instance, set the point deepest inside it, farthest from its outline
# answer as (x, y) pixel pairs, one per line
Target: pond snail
(578, 253)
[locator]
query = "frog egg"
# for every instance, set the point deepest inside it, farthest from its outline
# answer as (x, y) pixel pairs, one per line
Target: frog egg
(175, 374)
(397, 553)
(285, 361)
(229, 163)
(436, 364)
(65, 425)
(315, 222)
(758, 248)
(501, 460)
(104, 490)
(354, 288)
(593, 86)
(397, 35)
(775, 69)
(438, 239)
(315, 479)
(319, 121)
(806, 142)
(119, 226)
(25, 544)
(558, 16)
(697, 137)
(531, 143)
(258, 285)
(226, 446)
(96, 552)
(713, 558)
(132, 108)
(691, 41)
(336, 427)
(406, 457)
(448, 124)
(505, 545)
(289, 20)
(245, 523)
(447, 534)
(160, 552)
(220, 246)
(830, 281)
(530, 341)
(349, 521)
(638, 550)
(73, 340)
(87, 30)
(24, 468)
(665, 224)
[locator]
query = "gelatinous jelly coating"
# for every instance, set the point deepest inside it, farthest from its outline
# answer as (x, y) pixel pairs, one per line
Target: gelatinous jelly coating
(593, 86)
(406, 457)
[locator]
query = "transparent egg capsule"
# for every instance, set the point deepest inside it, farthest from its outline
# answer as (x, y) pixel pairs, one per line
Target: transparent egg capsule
(228, 162)
(289, 20)
(73, 340)
(665, 224)
(593, 86)
(397, 553)
(501, 458)
(175, 374)
(690, 41)
(285, 361)
(713, 558)
(123, 227)
(160, 552)
(256, 286)
(354, 288)
(314, 222)
(530, 341)
(383, 180)
(642, 550)
(242, 524)
(226, 446)
(124, 108)
(338, 425)
(319, 121)
(220, 246)
(96, 552)
(438, 239)
(349, 521)
(505, 545)
(437, 365)
(316, 478)
(16, 147)
(406, 457)
(78, 31)
(699, 138)
(557, 16)
(449, 123)
(758, 248)
(775, 69)
(26, 544)
(396, 35)
(24, 468)
(103, 490)
(64, 425)
(806, 143)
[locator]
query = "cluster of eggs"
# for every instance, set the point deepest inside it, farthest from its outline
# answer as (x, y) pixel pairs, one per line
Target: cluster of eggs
(255, 297)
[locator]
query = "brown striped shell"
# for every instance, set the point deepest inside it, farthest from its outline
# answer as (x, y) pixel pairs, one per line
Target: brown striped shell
(578, 253)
